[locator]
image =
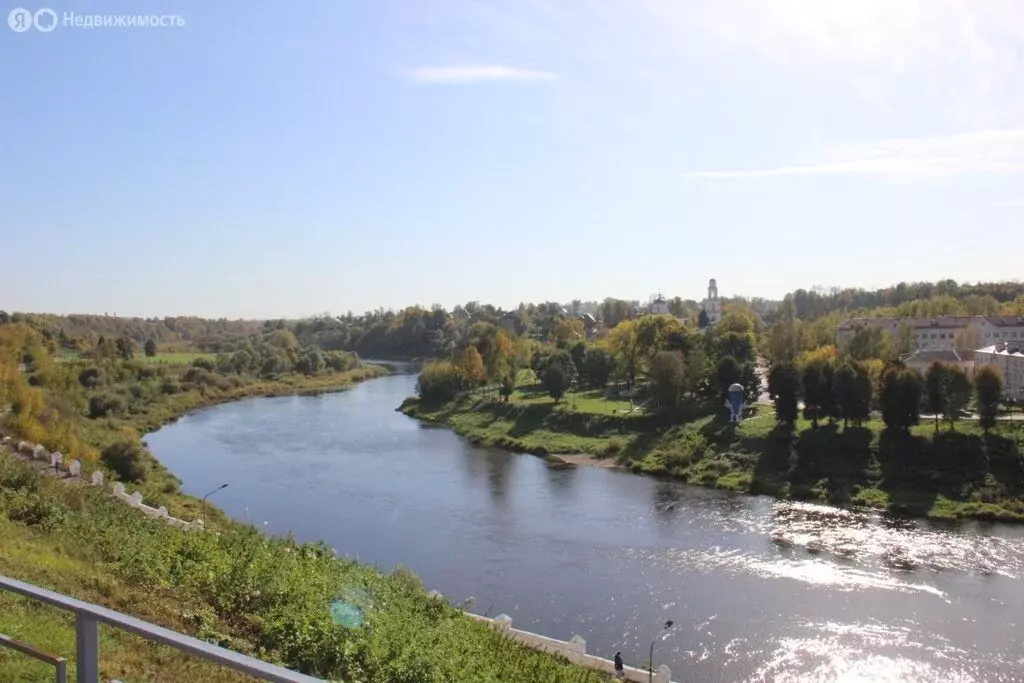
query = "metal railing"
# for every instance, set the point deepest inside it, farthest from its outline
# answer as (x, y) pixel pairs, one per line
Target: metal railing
(88, 617)
(60, 664)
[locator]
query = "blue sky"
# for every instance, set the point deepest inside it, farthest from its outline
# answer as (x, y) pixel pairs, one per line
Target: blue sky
(284, 159)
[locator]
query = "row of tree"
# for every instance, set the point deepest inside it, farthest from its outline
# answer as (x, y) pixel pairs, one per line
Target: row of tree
(845, 390)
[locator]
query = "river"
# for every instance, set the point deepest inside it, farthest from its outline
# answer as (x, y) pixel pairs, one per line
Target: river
(758, 589)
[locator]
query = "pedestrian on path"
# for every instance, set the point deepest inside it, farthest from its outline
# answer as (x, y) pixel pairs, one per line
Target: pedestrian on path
(619, 673)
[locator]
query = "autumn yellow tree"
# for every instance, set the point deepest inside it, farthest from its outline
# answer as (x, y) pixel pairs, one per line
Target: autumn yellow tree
(471, 367)
(500, 357)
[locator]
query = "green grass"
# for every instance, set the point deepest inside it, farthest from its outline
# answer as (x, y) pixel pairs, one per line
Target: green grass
(963, 473)
(260, 596)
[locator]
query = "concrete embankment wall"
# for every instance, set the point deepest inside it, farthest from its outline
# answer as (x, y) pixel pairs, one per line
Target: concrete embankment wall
(575, 650)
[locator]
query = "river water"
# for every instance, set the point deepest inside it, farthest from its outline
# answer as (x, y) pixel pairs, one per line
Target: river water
(758, 589)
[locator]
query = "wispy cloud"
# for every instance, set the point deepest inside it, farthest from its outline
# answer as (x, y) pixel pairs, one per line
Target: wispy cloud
(477, 74)
(1012, 203)
(982, 151)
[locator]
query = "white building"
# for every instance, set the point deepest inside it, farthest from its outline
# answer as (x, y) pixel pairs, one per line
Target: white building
(659, 306)
(961, 332)
(712, 304)
(1008, 360)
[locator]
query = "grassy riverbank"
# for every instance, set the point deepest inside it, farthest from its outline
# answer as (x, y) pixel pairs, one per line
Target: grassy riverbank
(268, 597)
(943, 475)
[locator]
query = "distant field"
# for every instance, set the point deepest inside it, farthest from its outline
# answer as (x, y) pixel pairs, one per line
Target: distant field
(173, 358)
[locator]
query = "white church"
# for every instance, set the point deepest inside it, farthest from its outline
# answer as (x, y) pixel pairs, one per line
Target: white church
(712, 305)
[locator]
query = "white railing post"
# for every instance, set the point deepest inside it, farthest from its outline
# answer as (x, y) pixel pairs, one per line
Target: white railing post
(87, 648)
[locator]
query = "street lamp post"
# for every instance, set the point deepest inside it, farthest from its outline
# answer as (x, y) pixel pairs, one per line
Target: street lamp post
(222, 486)
(650, 662)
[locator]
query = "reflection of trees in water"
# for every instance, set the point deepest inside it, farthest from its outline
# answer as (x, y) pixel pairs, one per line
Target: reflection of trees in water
(496, 465)
(499, 471)
(666, 497)
(561, 477)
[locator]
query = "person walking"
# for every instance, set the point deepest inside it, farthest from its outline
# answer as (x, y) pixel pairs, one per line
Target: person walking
(619, 673)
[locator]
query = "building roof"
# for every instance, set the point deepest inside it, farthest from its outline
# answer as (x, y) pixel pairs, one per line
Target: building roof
(929, 356)
(1002, 350)
(937, 322)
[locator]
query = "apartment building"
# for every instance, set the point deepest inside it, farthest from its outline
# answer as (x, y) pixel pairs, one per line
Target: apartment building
(1008, 360)
(960, 332)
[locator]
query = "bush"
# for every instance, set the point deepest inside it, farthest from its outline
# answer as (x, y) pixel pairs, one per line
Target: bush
(102, 405)
(90, 378)
(34, 509)
(199, 376)
(438, 382)
(127, 459)
(204, 364)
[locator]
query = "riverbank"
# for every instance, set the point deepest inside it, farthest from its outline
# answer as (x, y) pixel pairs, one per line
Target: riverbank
(948, 474)
(267, 597)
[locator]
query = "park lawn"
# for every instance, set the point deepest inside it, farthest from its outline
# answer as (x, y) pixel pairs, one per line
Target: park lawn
(589, 401)
(174, 358)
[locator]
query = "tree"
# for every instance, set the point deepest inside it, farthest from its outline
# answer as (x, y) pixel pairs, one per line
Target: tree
(869, 341)
(578, 354)
(852, 392)
(438, 382)
(702, 319)
(555, 381)
(969, 338)
(508, 385)
(904, 344)
(150, 348)
(989, 388)
(728, 371)
(958, 394)
(499, 357)
(623, 342)
(817, 380)
(310, 363)
(784, 388)
(667, 376)
(471, 367)
(936, 381)
(597, 366)
(901, 397)
(125, 347)
(741, 346)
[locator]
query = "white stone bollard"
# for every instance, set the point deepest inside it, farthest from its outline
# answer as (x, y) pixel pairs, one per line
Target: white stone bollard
(97, 478)
(75, 468)
(24, 447)
(136, 499)
(39, 452)
(435, 595)
(577, 648)
(119, 489)
(55, 459)
(663, 675)
(162, 511)
(503, 622)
